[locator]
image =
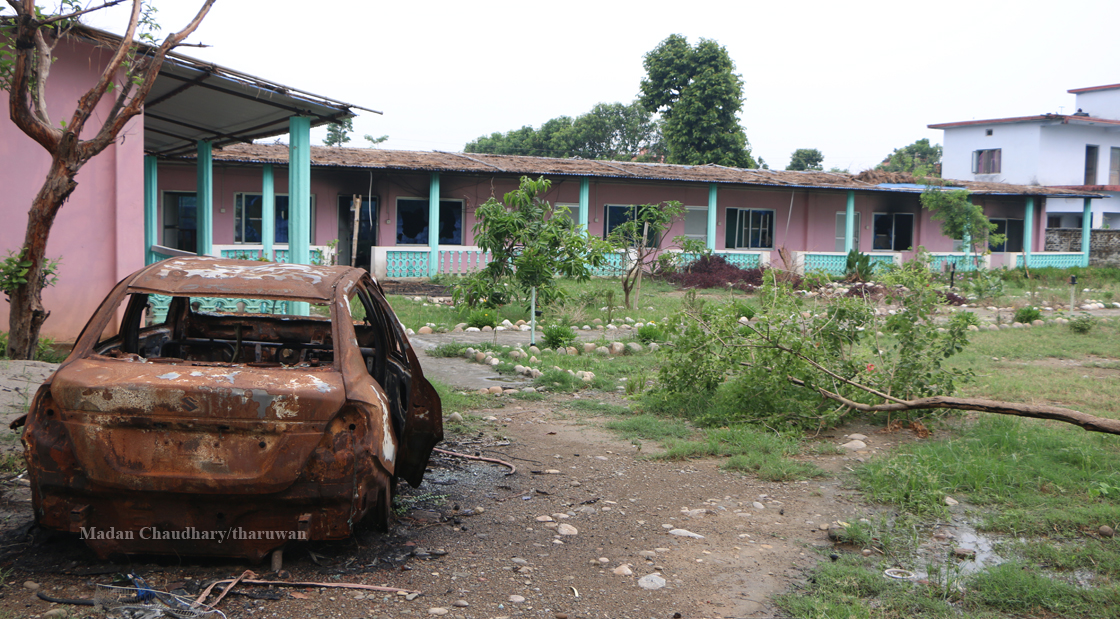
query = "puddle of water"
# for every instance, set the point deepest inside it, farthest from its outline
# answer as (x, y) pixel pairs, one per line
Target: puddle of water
(936, 554)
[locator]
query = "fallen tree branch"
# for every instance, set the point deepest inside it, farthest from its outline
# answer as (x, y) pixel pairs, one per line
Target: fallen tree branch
(285, 583)
(512, 468)
(1087, 422)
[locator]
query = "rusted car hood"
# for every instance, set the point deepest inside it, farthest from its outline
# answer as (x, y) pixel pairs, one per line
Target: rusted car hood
(190, 428)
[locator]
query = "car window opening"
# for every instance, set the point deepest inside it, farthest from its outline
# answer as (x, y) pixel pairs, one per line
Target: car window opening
(208, 331)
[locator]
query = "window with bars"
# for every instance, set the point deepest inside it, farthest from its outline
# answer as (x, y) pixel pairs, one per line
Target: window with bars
(248, 224)
(749, 228)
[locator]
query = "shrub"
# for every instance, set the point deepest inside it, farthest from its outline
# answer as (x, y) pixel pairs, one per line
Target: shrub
(1081, 324)
(858, 267)
(482, 318)
(816, 279)
(1027, 314)
(650, 333)
(712, 271)
(558, 336)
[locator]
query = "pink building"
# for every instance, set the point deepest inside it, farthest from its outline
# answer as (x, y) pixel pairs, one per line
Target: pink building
(745, 215)
(105, 231)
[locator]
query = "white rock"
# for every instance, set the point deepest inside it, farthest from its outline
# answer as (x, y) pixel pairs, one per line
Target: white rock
(950, 501)
(857, 437)
(456, 417)
(437, 611)
(472, 329)
(567, 529)
(758, 505)
(854, 445)
(516, 599)
(685, 533)
(651, 582)
(622, 570)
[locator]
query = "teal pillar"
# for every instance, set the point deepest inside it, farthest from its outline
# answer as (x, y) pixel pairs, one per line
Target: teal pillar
(584, 202)
(1086, 230)
(204, 199)
(151, 207)
(299, 190)
(850, 222)
(433, 225)
(713, 214)
(268, 211)
(1028, 231)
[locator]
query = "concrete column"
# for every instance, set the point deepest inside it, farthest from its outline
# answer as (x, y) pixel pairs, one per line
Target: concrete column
(433, 225)
(584, 202)
(299, 190)
(204, 199)
(850, 223)
(713, 214)
(268, 211)
(151, 207)
(1086, 230)
(1028, 231)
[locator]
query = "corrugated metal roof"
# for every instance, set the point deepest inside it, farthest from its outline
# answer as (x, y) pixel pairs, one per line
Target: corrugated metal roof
(515, 165)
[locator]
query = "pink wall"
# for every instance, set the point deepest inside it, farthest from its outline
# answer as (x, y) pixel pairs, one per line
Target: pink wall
(96, 231)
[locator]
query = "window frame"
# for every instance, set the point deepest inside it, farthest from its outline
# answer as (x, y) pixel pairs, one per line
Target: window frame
(840, 233)
(165, 228)
(1092, 163)
(987, 161)
(442, 201)
(893, 235)
(239, 206)
(684, 229)
(739, 211)
(1006, 227)
(573, 210)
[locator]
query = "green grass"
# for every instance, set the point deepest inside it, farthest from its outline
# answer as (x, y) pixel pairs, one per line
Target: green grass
(650, 428)
(748, 449)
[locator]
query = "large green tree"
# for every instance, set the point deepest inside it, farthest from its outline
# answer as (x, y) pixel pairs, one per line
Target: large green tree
(339, 133)
(609, 131)
(699, 97)
(920, 159)
(806, 159)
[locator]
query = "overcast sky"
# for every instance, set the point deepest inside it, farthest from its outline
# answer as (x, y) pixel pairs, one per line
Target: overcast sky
(853, 79)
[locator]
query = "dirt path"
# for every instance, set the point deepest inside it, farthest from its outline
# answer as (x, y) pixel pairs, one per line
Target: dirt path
(472, 535)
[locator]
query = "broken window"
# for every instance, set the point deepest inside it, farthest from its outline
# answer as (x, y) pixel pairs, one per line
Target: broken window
(749, 228)
(893, 232)
(986, 161)
(618, 214)
(247, 222)
(180, 224)
(1013, 228)
(412, 221)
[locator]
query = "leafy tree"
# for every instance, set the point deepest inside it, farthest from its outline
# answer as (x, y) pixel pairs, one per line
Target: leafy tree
(641, 238)
(699, 96)
(806, 159)
(339, 133)
(531, 244)
(26, 53)
(609, 131)
(920, 159)
(375, 142)
(960, 218)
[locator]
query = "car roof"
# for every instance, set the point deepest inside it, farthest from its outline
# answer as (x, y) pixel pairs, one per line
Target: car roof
(216, 277)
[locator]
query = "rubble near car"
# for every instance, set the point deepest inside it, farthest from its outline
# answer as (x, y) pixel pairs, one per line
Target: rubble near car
(233, 407)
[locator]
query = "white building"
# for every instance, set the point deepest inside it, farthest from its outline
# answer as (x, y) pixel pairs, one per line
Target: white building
(1075, 151)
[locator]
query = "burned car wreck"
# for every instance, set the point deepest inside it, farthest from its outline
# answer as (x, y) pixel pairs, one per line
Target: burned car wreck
(223, 407)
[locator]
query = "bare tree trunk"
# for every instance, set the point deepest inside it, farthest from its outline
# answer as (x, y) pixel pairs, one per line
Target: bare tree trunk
(26, 313)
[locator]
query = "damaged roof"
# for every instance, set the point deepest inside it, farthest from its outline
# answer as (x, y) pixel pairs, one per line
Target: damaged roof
(478, 163)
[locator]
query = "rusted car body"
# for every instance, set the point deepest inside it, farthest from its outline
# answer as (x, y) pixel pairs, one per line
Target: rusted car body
(230, 432)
